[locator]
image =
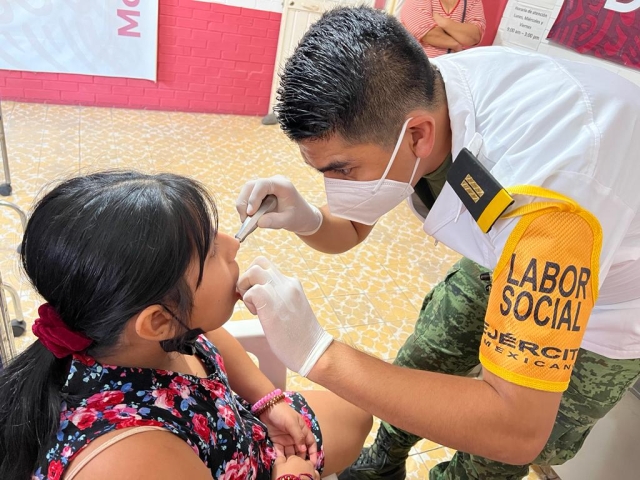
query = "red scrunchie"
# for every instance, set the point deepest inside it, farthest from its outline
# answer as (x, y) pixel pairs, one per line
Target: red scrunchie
(55, 335)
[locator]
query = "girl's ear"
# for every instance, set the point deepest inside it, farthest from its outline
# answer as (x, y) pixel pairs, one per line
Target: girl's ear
(155, 323)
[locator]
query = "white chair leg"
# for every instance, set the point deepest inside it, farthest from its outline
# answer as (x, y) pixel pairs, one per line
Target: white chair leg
(251, 336)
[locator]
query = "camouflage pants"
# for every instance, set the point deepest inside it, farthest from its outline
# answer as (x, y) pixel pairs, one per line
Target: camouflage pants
(447, 340)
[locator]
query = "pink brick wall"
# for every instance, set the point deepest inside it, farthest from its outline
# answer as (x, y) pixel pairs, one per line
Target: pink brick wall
(211, 58)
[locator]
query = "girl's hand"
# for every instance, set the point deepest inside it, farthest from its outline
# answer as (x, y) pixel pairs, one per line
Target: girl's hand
(294, 466)
(289, 433)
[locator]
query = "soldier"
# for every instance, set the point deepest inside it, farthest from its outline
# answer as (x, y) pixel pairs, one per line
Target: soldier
(541, 167)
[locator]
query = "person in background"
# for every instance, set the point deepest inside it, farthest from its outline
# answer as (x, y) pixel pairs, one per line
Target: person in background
(444, 26)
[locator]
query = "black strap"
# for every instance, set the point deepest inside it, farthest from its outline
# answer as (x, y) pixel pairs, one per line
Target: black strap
(423, 190)
(464, 15)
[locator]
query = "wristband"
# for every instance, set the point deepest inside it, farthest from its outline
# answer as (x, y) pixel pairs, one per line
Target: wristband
(289, 476)
(267, 402)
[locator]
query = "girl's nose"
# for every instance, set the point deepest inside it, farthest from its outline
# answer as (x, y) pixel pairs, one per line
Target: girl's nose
(236, 246)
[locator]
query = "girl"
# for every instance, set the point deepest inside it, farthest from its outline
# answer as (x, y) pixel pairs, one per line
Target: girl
(122, 382)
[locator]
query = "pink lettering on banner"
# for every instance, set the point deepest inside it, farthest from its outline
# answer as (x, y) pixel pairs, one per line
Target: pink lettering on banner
(128, 30)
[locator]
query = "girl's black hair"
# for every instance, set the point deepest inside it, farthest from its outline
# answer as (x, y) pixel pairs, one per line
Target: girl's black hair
(99, 248)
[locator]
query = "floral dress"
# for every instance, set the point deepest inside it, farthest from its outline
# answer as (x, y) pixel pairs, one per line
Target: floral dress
(204, 412)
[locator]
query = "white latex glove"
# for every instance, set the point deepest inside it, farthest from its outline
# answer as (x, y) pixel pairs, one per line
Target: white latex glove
(293, 213)
(291, 327)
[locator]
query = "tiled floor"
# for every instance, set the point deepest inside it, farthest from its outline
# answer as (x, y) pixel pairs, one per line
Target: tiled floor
(368, 297)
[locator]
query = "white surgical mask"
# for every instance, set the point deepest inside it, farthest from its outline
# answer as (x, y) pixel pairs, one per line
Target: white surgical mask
(365, 202)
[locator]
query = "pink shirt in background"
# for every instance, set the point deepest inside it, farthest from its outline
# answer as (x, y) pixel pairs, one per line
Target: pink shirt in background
(417, 17)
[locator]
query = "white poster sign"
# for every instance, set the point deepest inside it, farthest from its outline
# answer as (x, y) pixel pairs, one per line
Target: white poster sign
(113, 38)
(526, 25)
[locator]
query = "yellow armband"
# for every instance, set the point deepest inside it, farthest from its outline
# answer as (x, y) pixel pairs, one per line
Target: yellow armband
(544, 288)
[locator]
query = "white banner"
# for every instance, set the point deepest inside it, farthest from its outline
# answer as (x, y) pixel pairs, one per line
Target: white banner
(113, 38)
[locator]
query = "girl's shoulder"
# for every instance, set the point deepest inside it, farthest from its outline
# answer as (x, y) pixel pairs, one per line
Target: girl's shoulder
(203, 415)
(103, 400)
(125, 454)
